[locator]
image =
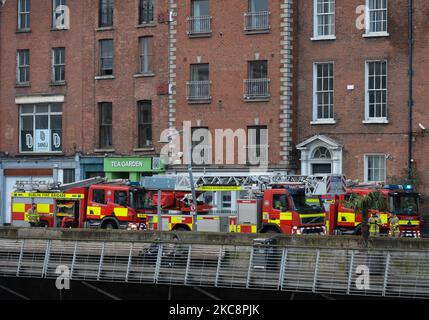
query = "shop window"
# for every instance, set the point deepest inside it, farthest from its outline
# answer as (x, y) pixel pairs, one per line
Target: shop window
(41, 127)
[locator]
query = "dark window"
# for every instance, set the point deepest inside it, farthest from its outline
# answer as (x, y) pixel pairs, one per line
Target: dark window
(258, 69)
(200, 8)
(145, 123)
(200, 72)
(105, 109)
(58, 65)
(120, 198)
(280, 202)
(68, 175)
(23, 66)
(41, 127)
(23, 15)
(98, 196)
(145, 55)
(257, 145)
(106, 13)
(322, 168)
(146, 11)
(106, 57)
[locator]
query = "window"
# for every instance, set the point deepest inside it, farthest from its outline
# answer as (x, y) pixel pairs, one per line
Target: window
(200, 21)
(201, 152)
(280, 202)
(146, 11)
(68, 175)
(323, 96)
(98, 196)
(376, 17)
(106, 57)
(41, 127)
(226, 200)
(58, 14)
(58, 65)
(324, 18)
(257, 145)
(376, 91)
(256, 86)
(23, 15)
(106, 13)
(145, 123)
(120, 198)
(322, 153)
(375, 168)
(257, 17)
(23, 66)
(105, 110)
(145, 55)
(209, 198)
(199, 86)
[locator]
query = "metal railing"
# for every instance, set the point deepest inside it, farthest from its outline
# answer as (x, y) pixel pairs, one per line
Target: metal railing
(257, 21)
(198, 25)
(362, 272)
(198, 90)
(257, 154)
(256, 89)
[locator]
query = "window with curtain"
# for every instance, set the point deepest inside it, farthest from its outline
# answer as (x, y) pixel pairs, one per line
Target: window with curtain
(144, 123)
(106, 57)
(145, 55)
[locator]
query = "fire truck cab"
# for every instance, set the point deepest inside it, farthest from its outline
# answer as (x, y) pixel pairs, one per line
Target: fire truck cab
(400, 200)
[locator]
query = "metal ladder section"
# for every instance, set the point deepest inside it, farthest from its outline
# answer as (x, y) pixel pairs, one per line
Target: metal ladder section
(259, 267)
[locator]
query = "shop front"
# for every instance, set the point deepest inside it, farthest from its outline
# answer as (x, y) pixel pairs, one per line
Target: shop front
(132, 168)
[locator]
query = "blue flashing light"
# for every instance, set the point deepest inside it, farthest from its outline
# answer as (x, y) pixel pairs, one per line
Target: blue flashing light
(392, 187)
(134, 184)
(408, 187)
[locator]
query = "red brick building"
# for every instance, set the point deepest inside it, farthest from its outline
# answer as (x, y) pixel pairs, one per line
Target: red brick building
(353, 89)
(80, 80)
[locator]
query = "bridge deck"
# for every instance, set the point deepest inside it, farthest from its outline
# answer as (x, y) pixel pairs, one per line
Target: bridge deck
(397, 268)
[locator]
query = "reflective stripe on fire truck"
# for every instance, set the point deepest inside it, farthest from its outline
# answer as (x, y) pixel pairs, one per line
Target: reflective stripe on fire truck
(219, 188)
(409, 222)
(348, 217)
(246, 228)
(47, 195)
(44, 208)
(18, 207)
(121, 212)
(93, 211)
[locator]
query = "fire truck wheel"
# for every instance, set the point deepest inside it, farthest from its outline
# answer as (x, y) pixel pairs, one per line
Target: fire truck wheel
(109, 225)
(181, 228)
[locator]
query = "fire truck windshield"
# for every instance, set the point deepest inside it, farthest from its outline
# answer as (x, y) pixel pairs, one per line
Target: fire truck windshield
(301, 205)
(404, 203)
(138, 199)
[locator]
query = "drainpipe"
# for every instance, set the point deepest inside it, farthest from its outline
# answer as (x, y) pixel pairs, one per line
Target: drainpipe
(410, 88)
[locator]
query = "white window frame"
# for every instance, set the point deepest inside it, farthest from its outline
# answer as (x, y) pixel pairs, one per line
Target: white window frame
(316, 35)
(21, 13)
(54, 65)
(369, 119)
(368, 33)
(19, 66)
(54, 13)
(366, 158)
(317, 120)
(145, 55)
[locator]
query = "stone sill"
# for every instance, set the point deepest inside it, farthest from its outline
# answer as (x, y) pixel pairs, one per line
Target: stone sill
(146, 25)
(323, 122)
(250, 100)
(202, 101)
(327, 38)
(144, 75)
(262, 31)
(23, 31)
(56, 153)
(200, 35)
(104, 150)
(104, 77)
(58, 84)
(376, 35)
(380, 121)
(144, 149)
(105, 29)
(23, 85)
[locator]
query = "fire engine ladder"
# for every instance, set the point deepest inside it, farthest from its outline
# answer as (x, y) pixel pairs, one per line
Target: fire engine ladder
(314, 185)
(39, 185)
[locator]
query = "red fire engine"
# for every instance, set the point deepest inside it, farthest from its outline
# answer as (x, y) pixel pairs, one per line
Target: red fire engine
(401, 200)
(94, 203)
